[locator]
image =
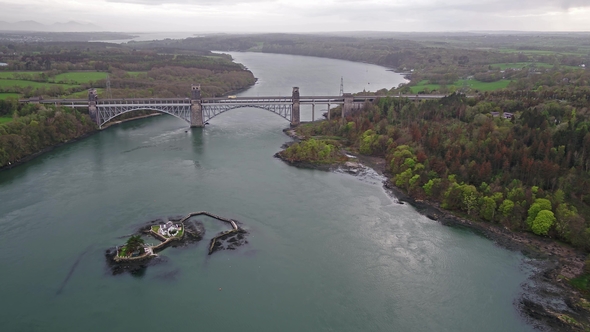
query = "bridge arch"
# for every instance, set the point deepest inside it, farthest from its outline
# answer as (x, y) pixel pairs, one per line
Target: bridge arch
(211, 110)
(107, 115)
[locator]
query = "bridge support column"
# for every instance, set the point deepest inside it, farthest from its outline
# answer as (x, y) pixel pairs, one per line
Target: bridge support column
(348, 105)
(329, 117)
(312, 112)
(92, 109)
(295, 111)
(196, 107)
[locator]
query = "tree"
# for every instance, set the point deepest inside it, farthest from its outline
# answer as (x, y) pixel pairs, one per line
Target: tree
(487, 209)
(543, 222)
(506, 208)
(540, 204)
(469, 197)
(133, 243)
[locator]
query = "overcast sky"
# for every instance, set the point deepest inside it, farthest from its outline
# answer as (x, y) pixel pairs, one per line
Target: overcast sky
(307, 15)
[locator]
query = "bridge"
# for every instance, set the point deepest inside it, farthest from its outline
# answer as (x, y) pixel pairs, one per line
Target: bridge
(197, 111)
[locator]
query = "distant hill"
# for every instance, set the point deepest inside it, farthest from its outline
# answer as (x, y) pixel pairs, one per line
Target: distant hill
(71, 26)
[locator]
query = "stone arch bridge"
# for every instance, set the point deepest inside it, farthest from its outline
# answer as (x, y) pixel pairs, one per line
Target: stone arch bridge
(197, 111)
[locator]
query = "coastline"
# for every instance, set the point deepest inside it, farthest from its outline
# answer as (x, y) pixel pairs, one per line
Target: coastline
(547, 300)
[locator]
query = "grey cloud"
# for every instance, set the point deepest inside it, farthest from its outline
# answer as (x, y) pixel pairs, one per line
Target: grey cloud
(439, 11)
(188, 2)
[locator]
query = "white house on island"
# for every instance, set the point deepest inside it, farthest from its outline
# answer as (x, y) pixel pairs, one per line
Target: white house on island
(169, 229)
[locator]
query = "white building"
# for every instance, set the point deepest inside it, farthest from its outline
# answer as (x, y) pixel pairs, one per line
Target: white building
(169, 229)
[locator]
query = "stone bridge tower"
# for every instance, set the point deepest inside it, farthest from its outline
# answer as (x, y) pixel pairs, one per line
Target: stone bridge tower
(295, 114)
(196, 107)
(347, 108)
(92, 110)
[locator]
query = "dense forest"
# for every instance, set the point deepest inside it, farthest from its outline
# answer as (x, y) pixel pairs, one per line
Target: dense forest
(528, 172)
(37, 128)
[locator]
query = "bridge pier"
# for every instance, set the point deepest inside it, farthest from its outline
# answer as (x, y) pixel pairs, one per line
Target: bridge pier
(196, 107)
(92, 110)
(312, 112)
(295, 112)
(348, 106)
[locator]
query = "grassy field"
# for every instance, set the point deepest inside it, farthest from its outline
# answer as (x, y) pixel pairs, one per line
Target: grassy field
(519, 65)
(81, 77)
(6, 95)
(473, 84)
(424, 85)
(4, 83)
(538, 52)
(10, 74)
(5, 119)
(483, 86)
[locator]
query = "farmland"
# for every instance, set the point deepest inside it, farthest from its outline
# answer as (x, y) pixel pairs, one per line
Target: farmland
(80, 77)
(474, 85)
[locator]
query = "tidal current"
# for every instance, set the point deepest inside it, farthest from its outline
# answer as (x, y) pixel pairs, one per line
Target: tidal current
(326, 252)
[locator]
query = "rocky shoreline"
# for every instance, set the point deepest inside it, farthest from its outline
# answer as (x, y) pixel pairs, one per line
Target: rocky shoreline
(548, 301)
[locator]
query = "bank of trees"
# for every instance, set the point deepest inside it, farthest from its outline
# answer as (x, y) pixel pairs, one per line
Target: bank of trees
(314, 150)
(528, 173)
(40, 128)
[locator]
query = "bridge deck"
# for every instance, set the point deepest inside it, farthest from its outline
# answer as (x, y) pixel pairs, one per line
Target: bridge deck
(216, 100)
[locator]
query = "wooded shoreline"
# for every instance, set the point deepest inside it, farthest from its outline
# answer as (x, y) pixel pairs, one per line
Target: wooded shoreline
(554, 262)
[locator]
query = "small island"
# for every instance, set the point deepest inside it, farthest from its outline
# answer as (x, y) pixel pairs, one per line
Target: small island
(135, 255)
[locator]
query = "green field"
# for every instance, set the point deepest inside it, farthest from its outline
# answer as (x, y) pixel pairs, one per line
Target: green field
(10, 74)
(483, 86)
(519, 65)
(6, 95)
(472, 84)
(5, 119)
(539, 52)
(81, 77)
(4, 83)
(424, 85)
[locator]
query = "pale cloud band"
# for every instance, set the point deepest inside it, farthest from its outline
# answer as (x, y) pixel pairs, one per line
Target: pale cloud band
(307, 15)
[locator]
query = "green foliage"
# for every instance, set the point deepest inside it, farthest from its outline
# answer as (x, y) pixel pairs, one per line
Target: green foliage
(539, 205)
(414, 180)
(543, 222)
(506, 208)
(399, 158)
(366, 142)
(134, 243)
(428, 186)
(402, 180)
(469, 197)
(487, 208)
(313, 150)
(42, 128)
